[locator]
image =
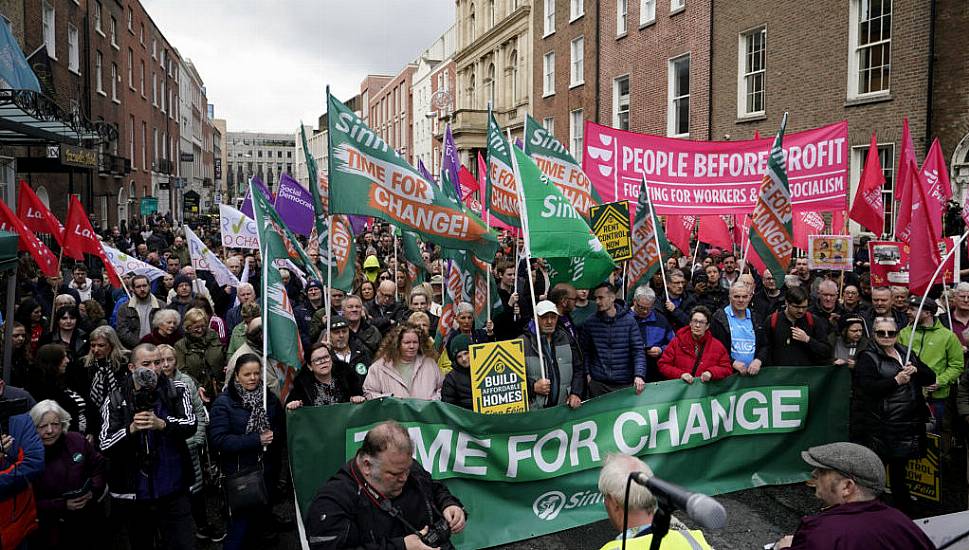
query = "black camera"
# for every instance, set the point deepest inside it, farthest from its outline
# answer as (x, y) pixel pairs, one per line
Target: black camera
(438, 535)
(144, 399)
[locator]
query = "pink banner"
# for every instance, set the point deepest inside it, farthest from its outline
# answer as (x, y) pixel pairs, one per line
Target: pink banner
(716, 177)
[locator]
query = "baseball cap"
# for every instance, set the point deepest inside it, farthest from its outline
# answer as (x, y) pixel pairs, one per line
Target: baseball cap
(314, 284)
(545, 307)
(930, 305)
(849, 459)
(337, 322)
(437, 280)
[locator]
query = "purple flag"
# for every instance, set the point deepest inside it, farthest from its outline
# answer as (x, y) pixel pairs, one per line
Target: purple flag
(425, 173)
(451, 164)
(295, 205)
(520, 144)
(358, 223)
(246, 207)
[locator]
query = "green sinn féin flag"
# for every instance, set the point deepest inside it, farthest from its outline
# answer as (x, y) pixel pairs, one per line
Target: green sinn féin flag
(369, 178)
(554, 160)
(646, 231)
(553, 229)
(501, 190)
(281, 338)
(770, 226)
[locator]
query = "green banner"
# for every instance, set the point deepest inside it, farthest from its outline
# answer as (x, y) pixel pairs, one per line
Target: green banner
(560, 166)
(525, 475)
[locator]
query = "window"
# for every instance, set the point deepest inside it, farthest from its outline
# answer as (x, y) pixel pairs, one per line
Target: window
(676, 5)
(97, 18)
(576, 128)
(73, 55)
(576, 9)
(870, 43)
(131, 138)
(549, 124)
(114, 32)
(548, 72)
(620, 103)
(142, 78)
(678, 108)
(141, 37)
(131, 69)
(491, 13)
(49, 34)
(154, 48)
(154, 144)
(129, 20)
(513, 62)
(549, 17)
(114, 81)
(144, 146)
(97, 74)
(471, 24)
(164, 95)
(752, 73)
(577, 66)
(886, 156)
(622, 7)
(647, 12)
(154, 89)
(492, 84)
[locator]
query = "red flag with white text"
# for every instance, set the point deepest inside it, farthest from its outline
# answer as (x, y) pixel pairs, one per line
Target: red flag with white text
(80, 238)
(46, 260)
(806, 223)
(36, 216)
(678, 231)
(903, 185)
(936, 179)
(924, 256)
(868, 209)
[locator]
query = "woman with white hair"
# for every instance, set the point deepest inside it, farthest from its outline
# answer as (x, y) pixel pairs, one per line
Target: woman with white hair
(164, 328)
(464, 324)
(69, 490)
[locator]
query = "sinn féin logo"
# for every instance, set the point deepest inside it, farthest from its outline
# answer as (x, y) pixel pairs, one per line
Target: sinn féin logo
(548, 505)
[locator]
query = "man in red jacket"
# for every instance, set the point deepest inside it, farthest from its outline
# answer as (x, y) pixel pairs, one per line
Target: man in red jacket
(847, 478)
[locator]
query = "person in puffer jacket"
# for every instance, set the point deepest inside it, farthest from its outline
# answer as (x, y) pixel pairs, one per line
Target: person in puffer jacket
(694, 353)
(612, 346)
(456, 389)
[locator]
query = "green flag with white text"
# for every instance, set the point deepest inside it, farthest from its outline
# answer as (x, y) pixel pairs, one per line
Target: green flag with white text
(646, 232)
(501, 189)
(368, 178)
(553, 229)
(555, 161)
(771, 233)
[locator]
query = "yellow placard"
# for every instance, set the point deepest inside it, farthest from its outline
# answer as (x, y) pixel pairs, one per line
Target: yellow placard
(922, 475)
(498, 383)
(610, 223)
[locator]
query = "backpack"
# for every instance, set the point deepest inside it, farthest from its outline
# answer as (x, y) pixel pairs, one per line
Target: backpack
(807, 316)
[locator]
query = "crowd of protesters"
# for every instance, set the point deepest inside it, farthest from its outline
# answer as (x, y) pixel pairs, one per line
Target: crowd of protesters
(139, 401)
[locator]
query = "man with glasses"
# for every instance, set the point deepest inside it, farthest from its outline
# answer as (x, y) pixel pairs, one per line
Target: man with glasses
(678, 301)
(796, 337)
(134, 317)
(741, 332)
(655, 329)
(852, 304)
(847, 479)
(769, 297)
(938, 348)
(385, 312)
(827, 306)
(146, 423)
(881, 306)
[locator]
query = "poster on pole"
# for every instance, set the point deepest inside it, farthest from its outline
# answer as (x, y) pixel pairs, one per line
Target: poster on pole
(831, 252)
(498, 383)
(610, 223)
(889, 263)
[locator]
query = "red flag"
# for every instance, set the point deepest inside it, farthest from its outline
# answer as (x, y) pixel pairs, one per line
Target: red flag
(903, 185)
(756, 134)
(678, 231)
(79, 237)
(713, 230)
(839, 222)
(36, 216)
(937, 177)
(924, 256)
(806, 223)
(468, 183)
(46, 260)
(868, 208)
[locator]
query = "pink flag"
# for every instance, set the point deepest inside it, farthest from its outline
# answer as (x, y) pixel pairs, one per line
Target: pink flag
(678, 231)
(713, 230)
(903, 185)
(868, 208)
(937, 179)
(924, 256)
(806, 223)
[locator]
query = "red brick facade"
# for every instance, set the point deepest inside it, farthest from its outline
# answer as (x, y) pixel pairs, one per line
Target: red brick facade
(391, 111)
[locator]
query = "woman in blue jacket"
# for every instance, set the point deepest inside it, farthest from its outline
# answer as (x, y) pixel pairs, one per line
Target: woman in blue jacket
(247, 435)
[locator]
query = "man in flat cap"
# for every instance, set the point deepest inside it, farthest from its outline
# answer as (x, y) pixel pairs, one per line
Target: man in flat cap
(848, 478)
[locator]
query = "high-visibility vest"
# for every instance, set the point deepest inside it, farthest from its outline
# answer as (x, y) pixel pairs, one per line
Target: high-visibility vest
(674, 540)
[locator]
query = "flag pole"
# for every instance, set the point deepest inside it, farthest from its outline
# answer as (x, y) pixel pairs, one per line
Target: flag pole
(528, 255)
(935, 275)
(490, 271)
(329, 273)
(265, 325)
(393, 231)
(659, 250)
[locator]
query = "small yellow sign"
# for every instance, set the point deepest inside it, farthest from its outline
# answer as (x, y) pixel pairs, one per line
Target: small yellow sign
(922, 475)
(498, 383)
(610, 223)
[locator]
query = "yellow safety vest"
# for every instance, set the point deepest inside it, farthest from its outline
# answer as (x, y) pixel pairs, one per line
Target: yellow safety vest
(674, 540)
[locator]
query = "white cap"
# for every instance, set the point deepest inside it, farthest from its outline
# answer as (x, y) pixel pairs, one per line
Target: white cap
(545, 307)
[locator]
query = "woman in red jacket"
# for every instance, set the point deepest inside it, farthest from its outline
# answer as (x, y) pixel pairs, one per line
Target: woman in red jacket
(695, 353)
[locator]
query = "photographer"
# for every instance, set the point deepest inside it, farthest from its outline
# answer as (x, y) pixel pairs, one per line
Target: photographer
(143, 434)
(382, 498)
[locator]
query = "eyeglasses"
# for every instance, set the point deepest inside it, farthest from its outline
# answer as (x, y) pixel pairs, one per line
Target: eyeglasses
(886, 333)
(796, 306)
(698, 322)
(320, 360)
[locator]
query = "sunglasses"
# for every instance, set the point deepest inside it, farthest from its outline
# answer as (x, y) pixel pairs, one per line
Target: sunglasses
(886, 333)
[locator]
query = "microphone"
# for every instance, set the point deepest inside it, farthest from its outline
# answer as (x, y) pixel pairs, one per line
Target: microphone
(701, 508)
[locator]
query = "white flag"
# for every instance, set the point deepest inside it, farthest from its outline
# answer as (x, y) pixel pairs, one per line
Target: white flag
(124, 263)
(238, 230)
(204, 260)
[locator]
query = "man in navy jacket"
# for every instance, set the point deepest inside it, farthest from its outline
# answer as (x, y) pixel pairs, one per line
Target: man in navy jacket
(612, 345)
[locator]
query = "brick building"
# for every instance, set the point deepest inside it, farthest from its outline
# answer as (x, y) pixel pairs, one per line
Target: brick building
(391, 112)
(654, 66)
(444, 102)
(566, 61)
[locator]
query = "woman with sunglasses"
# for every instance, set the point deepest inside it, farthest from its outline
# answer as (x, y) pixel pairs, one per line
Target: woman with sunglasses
(888, 407)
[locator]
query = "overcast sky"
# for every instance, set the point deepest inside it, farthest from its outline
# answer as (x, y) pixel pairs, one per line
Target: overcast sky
(266, 63)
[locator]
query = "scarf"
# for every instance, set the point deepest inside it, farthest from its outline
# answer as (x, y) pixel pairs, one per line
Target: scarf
(327, 394)
(252, 400)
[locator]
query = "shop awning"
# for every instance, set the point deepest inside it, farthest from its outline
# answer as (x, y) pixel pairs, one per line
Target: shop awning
(30, 118)
(8, 250)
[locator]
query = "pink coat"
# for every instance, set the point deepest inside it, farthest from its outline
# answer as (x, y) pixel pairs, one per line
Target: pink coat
(384, 380)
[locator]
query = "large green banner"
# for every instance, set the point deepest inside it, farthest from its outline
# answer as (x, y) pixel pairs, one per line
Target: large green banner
(530, 474)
